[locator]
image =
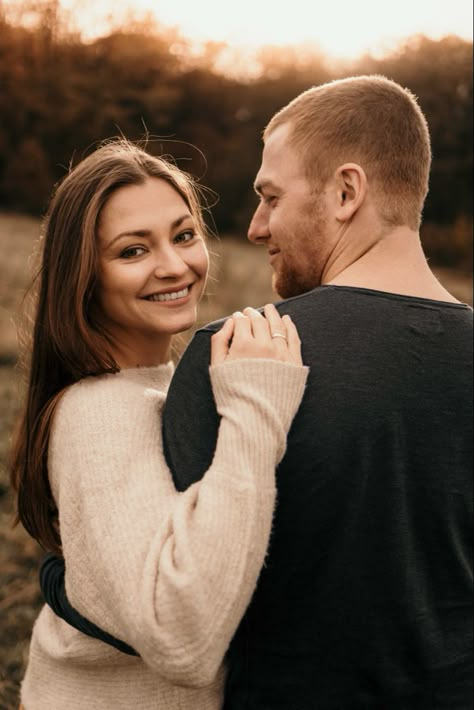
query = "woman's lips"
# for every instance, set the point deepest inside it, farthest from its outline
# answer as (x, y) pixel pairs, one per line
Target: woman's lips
(171, 298)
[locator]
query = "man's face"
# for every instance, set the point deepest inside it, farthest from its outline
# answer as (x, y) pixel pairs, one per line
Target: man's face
(291, 219)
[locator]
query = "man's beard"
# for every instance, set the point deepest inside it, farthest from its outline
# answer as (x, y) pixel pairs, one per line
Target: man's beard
(296, 276)
(287, 282)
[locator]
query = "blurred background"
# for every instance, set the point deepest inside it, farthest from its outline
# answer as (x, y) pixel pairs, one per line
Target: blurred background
(199, 81)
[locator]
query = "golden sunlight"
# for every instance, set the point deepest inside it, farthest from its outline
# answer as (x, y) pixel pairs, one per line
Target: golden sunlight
(342, 29)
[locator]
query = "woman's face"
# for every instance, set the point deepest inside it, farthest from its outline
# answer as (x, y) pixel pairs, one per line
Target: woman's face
(153, 266)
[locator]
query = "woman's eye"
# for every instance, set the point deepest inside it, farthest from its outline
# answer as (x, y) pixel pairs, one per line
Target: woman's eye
(184, 237)
(132, 252)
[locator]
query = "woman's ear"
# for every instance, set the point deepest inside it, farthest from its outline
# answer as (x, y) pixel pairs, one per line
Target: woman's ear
(351, 186)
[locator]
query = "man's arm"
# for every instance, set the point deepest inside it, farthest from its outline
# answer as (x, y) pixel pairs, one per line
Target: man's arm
(54, 592)
(190, 428)
(190, 418)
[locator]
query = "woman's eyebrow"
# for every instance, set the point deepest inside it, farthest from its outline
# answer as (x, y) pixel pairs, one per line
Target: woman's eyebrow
(146, 233)
(143, 233)
(177, 223)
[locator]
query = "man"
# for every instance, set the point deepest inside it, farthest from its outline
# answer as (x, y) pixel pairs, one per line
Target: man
(365, 599)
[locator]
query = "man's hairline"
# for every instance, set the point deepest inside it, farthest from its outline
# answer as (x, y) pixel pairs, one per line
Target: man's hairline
(267, 133)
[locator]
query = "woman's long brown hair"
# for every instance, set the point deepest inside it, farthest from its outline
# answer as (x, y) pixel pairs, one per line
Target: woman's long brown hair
(67, 343)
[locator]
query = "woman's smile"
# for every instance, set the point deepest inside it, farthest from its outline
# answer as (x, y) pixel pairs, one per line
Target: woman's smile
(174, 297)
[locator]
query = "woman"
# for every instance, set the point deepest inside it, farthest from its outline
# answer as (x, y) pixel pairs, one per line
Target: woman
(124, 267)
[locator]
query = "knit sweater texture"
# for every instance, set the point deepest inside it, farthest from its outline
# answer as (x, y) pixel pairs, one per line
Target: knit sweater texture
(169, 573)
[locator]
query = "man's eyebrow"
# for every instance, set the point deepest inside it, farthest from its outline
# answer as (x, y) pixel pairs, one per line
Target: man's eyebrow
(146, 233)
(262, 185)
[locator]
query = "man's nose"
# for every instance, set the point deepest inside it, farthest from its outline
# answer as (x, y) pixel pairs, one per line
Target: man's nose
(259, 229)
(169, 264)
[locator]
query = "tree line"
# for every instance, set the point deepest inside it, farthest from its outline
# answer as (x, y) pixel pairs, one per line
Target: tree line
(61, 94)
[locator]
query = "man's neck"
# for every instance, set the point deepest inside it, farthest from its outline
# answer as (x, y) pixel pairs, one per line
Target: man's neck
(395, 264)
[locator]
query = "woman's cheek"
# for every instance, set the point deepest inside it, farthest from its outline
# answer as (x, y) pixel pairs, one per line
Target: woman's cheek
(202, 261)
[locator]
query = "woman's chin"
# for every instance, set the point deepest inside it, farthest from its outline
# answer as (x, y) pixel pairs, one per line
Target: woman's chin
(181, 325)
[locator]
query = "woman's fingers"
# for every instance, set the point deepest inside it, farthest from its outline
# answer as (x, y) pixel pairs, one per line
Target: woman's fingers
(284, 335)
(277, 326)
(220, 342)
(250, 335)
(242, 326)
(244, 344)
(237, 329)
(259, 325)
(294, 342)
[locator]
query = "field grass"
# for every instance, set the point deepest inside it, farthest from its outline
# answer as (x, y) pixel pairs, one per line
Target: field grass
(241, 276)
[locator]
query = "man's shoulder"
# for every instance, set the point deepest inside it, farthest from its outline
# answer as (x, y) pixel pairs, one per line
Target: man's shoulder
(324, 305)
(306, 302)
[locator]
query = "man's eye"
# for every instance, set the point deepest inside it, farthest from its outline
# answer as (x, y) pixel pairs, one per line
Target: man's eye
(185, 237)
(132, 252)
(270, 199)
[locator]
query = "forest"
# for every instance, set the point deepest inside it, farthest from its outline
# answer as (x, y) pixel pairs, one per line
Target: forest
(60, 94)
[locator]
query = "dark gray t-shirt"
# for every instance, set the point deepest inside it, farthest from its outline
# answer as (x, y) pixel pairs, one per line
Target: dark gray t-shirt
(366, 597)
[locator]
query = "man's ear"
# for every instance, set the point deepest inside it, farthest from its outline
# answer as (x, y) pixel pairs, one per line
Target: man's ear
(351, 187)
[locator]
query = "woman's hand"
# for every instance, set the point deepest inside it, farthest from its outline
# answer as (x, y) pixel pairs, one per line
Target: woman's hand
(250, 335)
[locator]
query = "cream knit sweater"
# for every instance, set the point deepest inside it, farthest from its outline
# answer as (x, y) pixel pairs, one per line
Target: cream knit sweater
(169, 573)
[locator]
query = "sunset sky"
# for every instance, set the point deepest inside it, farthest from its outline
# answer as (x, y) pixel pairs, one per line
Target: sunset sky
(342, 28)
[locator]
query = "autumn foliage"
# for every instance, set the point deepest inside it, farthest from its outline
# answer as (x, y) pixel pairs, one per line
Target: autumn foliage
(61, 94)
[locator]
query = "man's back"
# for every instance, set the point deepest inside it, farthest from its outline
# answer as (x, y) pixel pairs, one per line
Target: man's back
(365, 601)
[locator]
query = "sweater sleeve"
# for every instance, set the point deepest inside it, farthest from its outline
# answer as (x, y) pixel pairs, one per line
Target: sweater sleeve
(172, 573)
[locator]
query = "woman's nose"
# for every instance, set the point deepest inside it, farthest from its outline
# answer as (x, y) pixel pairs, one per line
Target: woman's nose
(169, 264)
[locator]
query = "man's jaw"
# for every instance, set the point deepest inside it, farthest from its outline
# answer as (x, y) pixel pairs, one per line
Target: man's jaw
(285, 282)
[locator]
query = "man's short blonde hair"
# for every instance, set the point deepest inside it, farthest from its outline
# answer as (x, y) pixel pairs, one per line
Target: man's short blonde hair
(371, 121)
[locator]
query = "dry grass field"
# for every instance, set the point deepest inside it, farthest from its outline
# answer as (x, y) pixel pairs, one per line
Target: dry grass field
(242, 277)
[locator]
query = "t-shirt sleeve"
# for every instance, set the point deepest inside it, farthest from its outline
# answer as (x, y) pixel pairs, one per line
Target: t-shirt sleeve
(190, 419)
(53, 588)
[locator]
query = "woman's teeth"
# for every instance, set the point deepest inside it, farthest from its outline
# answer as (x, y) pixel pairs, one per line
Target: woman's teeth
(168, 296)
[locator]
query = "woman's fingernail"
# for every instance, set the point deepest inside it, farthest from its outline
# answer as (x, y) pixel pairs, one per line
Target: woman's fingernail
(238, 314)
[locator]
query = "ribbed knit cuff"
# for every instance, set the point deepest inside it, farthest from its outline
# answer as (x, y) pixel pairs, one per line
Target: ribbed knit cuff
(281, 384)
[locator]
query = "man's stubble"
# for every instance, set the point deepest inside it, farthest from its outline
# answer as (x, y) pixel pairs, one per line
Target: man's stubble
(299, 269)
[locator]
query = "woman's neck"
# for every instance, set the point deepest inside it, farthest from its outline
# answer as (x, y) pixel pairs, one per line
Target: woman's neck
(141, 353)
